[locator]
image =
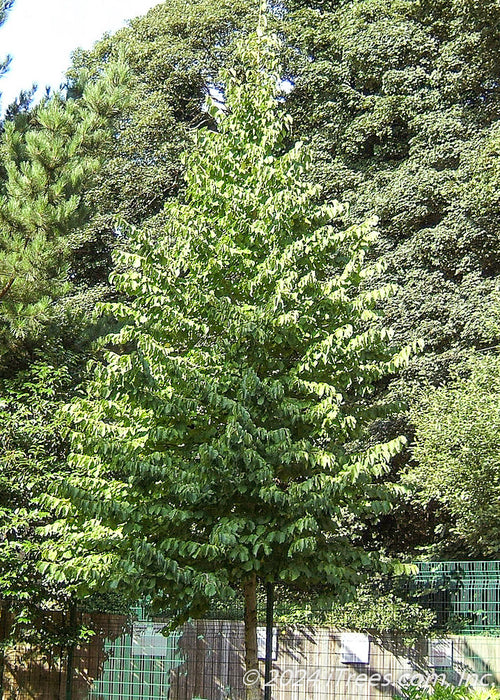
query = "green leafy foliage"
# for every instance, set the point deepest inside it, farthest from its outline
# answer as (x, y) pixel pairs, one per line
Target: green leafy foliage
(216, 442)
(457, 448)
(398, 102)
(33, 450)
(49, 156)
(371, 610)
(446, 691)
(173, 55)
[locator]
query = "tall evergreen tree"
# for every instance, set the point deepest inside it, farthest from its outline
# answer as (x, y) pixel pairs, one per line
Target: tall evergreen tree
(216, 446)
(49, 157)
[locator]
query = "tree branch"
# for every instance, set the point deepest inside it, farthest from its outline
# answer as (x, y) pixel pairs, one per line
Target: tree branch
(5, 290)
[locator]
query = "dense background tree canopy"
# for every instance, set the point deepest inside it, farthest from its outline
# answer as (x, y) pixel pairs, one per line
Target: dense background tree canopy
(399, 101)
(48, 157)
(404, 100)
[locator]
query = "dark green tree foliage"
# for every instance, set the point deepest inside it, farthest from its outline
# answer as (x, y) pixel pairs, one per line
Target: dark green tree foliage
(374, 609)
(172, 54)
(401, 100)
(32, 449)
(33, 452)
(49, 157)
(400, 104)
(215, 445)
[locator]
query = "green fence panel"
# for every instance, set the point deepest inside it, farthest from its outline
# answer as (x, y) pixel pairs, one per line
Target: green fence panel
(465, 595)
(139, 663)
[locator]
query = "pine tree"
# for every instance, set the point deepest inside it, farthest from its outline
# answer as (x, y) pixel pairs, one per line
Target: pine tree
(215, 448)
(49, 157)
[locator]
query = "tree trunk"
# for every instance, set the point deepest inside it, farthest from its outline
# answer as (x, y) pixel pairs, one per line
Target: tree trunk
(252, 674)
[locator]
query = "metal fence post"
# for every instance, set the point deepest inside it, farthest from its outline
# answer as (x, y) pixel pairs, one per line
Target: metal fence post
(269, 639)
(71, 652)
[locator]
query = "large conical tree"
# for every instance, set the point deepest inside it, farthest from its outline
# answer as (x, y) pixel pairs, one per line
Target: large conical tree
(216, 445)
